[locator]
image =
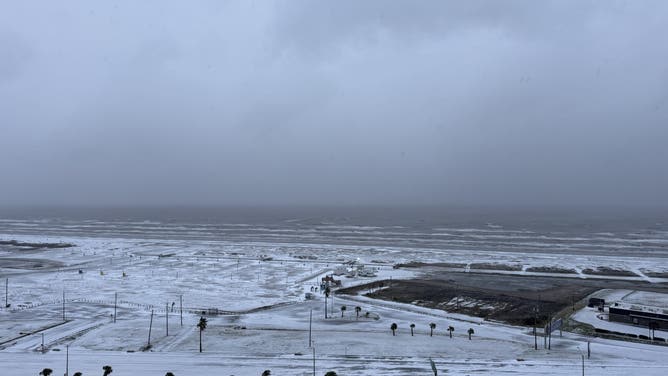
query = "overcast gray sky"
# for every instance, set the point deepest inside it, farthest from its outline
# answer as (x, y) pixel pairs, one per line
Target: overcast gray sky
(339, 102)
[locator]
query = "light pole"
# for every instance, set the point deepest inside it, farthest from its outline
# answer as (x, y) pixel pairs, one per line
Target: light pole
(457, 295)
(150, 326)
(67, 360)
(549, 333)
(582, 355)
(115, 304)
(313, 360)
(535, 322)
(310, 321)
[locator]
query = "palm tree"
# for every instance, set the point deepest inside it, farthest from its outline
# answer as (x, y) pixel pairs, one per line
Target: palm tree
(266, 372)
(46, 372)
(358, 309)
(343, 309)
(107, 370)
(77, 374)
(412, 327)
(470, 332)
(393, 328)
(169, 374)
(327, 292)
(331, 373)
(451, 329)
(201, 325)
(432, 326)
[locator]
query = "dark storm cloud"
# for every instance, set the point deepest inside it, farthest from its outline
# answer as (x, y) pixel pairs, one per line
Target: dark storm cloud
(471, 102)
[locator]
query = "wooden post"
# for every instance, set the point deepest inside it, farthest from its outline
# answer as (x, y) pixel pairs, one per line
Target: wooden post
(63, 304)
(181, 307)
(6, 292)
(167, 319)
(115, 304)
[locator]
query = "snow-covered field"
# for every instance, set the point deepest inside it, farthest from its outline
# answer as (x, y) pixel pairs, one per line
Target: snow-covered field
(264, 322)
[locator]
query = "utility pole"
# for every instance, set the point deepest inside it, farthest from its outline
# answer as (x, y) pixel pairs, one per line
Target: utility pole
(457, 295)
(67, 360)
(535, 332)
(313, 360)
(181, 307)
(150, 325)
(115, 303)
(583, 364)
(167, 319)
(310, 320)
(549, 333)
(588, 349)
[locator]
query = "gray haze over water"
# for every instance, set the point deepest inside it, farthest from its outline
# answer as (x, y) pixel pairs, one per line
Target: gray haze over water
(125, 103)
(573, 232)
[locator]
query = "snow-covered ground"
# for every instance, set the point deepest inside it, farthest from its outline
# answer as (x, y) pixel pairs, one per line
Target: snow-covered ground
(264, 322)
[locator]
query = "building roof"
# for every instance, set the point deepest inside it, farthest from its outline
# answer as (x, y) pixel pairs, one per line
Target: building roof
(640, 308)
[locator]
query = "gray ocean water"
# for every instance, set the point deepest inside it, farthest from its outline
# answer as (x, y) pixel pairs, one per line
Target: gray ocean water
(634, 232)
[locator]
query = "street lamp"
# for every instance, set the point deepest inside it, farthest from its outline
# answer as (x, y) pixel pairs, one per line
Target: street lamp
(535, 322)
(313, 348)
(67, 360)
(582, 355)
